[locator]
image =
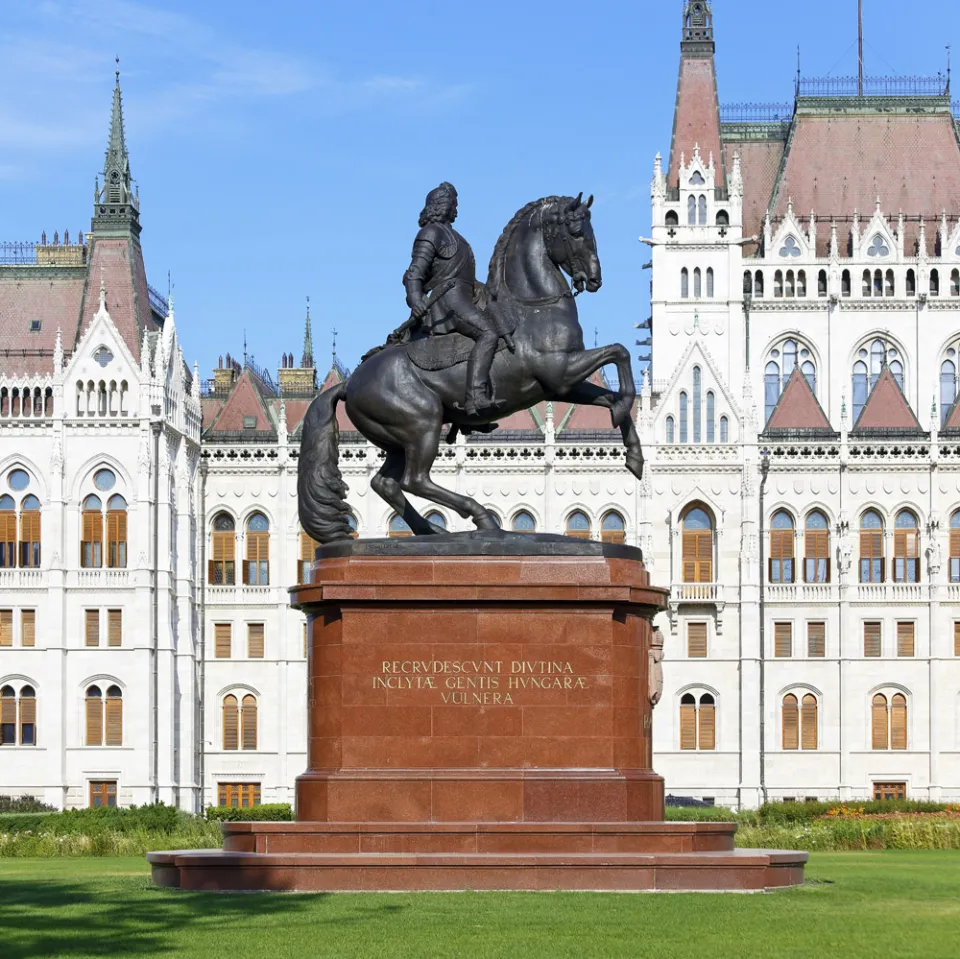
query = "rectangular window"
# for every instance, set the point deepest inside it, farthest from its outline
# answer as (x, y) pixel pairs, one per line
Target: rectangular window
(92, 627)
(28, 720)
(783, 640)
(238, 795)
(6, 627)
(28, 627)
(8, 539)
(816, 564)
(91, 546)
(816, 639)
(114, 627)
(905, 639)
(222, 568)
(103, 793)
(308, 547)
(871, 556)
(255, 640)
(956, 639)
(8, 721)
(305, 640)
(256, 569)
(780, 564)
(698, 556)
(117, 539)
(696, 640)
(906, 551)
(221, 640)
(871, 639)
(30, 539)
(888, 791)
(955, 556)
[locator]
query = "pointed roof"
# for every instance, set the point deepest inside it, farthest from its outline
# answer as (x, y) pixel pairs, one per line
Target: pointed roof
(116, 209)
(306, 361)
(797, 408)
(696, 121)
(886, 407)
(117, 157)
(245, 401)
(952, 421)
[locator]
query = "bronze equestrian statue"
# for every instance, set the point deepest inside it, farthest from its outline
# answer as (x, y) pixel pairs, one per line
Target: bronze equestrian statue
(401, 396)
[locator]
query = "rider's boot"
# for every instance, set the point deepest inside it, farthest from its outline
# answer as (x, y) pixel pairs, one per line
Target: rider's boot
(479, 399)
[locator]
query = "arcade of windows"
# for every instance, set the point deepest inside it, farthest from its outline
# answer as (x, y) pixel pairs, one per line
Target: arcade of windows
(871, 358)
(782, 360)
(19, 523)
(699, 278)
(697, 416)
(222, 567)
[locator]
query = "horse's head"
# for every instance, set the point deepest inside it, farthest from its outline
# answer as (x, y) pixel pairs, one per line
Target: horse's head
(570, 242)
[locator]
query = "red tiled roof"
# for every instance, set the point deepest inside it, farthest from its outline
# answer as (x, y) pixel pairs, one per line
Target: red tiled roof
(759, 164)
(697, 117)
(245, 399)
(887, 407)
(50, 295)
(953, 417)
(296, 410)
(911, 162)
(797, 408)
(210, 407)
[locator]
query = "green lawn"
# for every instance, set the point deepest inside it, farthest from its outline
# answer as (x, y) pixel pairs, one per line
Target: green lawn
(854, 904)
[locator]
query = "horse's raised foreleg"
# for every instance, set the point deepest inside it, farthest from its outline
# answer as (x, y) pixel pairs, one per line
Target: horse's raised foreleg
(588, 394)
(420, 455)
(561, 372)
(386, 484)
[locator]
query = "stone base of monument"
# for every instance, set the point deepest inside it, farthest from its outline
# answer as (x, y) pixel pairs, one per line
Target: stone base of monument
(479, 718)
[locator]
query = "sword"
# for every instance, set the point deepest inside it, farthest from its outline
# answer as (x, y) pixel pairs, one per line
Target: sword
(414, 320)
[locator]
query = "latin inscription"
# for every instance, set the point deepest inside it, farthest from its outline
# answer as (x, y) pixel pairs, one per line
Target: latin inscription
(477, 682)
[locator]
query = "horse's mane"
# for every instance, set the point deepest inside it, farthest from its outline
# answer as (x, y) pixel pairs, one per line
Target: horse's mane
(495, 274)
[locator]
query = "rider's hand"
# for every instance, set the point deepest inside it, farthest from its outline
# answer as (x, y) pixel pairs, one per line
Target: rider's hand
(419, 308)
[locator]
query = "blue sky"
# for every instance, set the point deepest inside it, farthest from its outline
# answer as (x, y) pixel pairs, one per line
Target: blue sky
(284, 149)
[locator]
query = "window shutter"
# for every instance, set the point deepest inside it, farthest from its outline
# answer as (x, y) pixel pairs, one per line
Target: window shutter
(898, 722)
(790, 722)
(816, 639)
(248, 720)
(28, 627)
(6, 627)
(114, 721)
(117, 538)
(91, 546)
(905, 639)
(871, 639)
(705, 556)
(93, 627)
(8, 717)
(8, 538)
(707, 714)
(304, 640)
(114, 627)
(817, 546)
(308, 546)
(221, 640)
(688, 726)
(29, 535)
(255, 640)
(871, 548)
(956, 639)
(782, 640)
(955, 544)
(696, 640)
(231, 723)
(809, 721)
(28, 718)
(245, 573)
(258, 558)
(689, 557)
(878, 715)
(94, 721)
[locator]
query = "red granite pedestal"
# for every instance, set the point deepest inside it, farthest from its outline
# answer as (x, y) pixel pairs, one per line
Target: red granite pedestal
(478, 722)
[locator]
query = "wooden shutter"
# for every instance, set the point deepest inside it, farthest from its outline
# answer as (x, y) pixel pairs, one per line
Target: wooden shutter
(114, 711)
(8, 717)
(956, 639)
(698, 556)
(905, 639)
(221, 640)
(954, 554)
(92, 539)
(308, 547)
(871, 639)
(231, 723)
(28, 627)
(117, 538)
(781, 550)
(817, 548)
(255, 640)
(94, 721)
(871, 548)
(782, 640)
(258, 554)
(6, 627)
(906, 548)
(809, 721)
(28, 717)
(688, 725)
(305, 640)
(222, 567)
(30, 535)
(248, 722)
(92, 621)
(816, 639)
(790, 720)
(878, 717)
(696, 640)
(114, 627)
(708, 726)
(8, 538)
(898, 722)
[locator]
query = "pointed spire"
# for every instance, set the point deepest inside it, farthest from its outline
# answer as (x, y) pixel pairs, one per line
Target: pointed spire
(58, 353)
(697, 22)
(103, 297)
(922, 241)
(195, 385)
(834, 241)
(306, 361)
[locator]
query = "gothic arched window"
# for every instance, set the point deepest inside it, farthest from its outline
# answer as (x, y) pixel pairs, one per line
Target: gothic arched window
(222, 569)
(702, 205)
(697, 403)
(781, 548)
(691, 211)
(906, 548)
(816, 549)
(684, 283)
(257, 566)
(697, 547)
(782, 361)
(872, 562)
(683, 417)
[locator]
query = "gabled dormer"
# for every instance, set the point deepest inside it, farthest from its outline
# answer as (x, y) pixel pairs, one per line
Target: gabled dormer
(790, 243)
(877, 242)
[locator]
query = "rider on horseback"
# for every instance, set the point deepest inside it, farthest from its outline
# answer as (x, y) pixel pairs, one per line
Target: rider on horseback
(443, 263)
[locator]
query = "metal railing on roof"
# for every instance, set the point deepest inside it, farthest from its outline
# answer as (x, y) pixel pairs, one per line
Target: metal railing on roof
(756, 112)
(158, 302)
(895, 86)
(30, 253)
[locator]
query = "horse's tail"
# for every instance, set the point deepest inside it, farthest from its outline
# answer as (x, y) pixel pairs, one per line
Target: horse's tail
(320, 486)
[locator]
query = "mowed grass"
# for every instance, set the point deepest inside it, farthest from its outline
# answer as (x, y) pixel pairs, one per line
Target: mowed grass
(854, 904)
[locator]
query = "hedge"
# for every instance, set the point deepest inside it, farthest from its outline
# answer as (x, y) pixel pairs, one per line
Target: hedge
(24, 804)
(268, 812)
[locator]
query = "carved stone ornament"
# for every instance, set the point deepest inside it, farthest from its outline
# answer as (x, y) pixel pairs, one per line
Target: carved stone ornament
(655, 668)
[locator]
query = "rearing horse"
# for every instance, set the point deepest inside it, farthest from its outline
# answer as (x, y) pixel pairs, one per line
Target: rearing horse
(402, 408)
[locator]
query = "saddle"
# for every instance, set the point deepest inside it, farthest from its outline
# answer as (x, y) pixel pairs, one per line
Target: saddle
(440, 352)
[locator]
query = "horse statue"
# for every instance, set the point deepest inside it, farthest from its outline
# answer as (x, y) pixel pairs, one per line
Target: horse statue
(400, 402)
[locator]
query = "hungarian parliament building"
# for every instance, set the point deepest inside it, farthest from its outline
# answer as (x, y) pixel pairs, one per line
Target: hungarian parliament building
(801, 498)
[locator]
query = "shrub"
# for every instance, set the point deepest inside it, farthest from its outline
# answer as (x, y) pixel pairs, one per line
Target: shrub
(831, 835)
(24, 804)
(268, 812)
(699, 814)
(87, 822)
(23, 821)
(781, 813)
